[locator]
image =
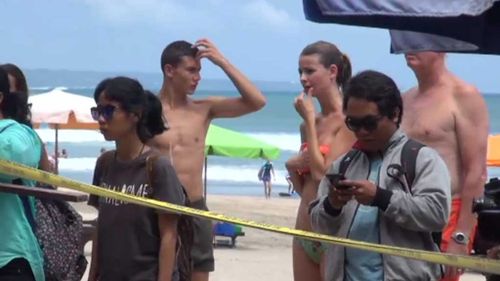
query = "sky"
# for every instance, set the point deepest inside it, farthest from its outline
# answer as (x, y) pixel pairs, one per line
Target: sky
(263, 38)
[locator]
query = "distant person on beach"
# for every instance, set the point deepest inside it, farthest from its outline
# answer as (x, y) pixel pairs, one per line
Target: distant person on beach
(374, 203)
(20, 255)
(291, 189)
(265, 176)
(64, 153)
(323, 72)
(134, 242)
(189, 120)
(451, 116)
(18, 84)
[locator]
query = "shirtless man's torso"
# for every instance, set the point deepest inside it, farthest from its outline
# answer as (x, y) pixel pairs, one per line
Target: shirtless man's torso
(450, 116)
(188, 121)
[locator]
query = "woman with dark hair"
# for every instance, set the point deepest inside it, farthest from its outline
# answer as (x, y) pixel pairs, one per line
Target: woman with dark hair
(134, 242)
(17, 80)
(18, 85)
(323, 70)
(20, 255)
(17, 106)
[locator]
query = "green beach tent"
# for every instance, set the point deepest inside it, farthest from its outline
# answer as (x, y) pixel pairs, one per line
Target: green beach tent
(228, 143)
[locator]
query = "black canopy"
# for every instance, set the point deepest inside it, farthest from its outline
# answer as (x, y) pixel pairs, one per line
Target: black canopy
(467, 26)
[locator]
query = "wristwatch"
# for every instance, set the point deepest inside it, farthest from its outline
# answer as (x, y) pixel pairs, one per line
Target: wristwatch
(460, 238)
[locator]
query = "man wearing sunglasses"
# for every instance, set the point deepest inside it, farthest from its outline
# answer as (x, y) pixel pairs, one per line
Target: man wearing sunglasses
(370, 203)
(450, 115)
(189, 120)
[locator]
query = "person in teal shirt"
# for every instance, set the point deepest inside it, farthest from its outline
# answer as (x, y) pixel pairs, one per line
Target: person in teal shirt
(20, 255)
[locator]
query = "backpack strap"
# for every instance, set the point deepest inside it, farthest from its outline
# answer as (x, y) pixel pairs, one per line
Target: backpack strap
(5, 128)
(27, 211)
(26, 206)
(347, 159)
(409, 155)
(184, 226)
(150, 164)
(150, 175)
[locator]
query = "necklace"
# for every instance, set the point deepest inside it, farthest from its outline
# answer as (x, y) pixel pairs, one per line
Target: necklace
(140, 153)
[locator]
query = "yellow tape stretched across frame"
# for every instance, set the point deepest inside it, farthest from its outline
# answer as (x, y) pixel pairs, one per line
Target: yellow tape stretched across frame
(475, 263)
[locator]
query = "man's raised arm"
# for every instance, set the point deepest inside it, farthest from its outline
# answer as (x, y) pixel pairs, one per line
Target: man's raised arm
(251, 97)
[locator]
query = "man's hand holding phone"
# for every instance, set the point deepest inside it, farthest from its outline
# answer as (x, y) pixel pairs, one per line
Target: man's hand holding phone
(339, 193)
(364, 191)
(342, 190)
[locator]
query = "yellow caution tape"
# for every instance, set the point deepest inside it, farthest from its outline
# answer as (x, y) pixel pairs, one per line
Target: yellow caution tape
(474, 263)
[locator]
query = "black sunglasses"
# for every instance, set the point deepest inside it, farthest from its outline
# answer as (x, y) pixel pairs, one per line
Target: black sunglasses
(369, 123)
(106, 111)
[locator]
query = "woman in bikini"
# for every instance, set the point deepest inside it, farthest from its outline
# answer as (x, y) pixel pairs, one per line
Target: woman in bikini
(323, 71)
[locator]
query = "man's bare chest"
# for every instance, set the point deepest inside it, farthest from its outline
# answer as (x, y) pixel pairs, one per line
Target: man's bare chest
(185, 134)
(186, 128)
(429, 121)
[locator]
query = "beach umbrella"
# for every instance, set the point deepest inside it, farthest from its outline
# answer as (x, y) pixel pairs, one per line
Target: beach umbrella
(464, 26)
(493, 156)
(228, 143)
(62, 110)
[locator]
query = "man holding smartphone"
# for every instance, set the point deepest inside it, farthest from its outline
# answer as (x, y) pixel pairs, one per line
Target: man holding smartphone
(372, 201)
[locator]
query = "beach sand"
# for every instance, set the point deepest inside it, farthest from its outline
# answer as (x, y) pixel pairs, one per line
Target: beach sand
(258, 255)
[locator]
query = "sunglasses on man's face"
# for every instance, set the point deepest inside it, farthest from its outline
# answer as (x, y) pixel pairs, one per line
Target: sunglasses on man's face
(369, 123)
(106, 111)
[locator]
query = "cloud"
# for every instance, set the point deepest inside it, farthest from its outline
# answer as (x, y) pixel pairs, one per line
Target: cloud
(195, 14)
(267, 15)
(169, 13)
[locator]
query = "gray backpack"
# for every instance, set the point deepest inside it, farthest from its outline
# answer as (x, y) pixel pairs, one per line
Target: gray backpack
(59, 230)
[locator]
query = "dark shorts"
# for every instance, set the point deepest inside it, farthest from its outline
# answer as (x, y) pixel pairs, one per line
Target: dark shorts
(202, 252)
(17, 270)
(266, 178)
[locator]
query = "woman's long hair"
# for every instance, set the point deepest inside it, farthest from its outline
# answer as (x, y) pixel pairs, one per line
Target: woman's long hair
(14, 105)
(131, 96)
(20, 84)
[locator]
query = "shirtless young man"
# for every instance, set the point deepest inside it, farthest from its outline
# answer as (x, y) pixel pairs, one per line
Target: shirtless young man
(189, 119)
(450, 116)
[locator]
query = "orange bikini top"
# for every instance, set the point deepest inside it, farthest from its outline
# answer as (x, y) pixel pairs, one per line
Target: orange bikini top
(323, 148)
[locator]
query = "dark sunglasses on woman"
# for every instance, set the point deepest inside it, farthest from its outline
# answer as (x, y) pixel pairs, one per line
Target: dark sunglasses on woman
(106, 111)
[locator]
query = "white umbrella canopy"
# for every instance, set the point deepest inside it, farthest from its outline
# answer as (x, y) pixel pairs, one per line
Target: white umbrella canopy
(62, 110)
(68, 111)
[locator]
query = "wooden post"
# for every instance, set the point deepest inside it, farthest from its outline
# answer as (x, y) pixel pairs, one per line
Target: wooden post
(56, 148)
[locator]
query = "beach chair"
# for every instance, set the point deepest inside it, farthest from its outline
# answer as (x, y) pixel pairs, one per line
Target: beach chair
(225, 229)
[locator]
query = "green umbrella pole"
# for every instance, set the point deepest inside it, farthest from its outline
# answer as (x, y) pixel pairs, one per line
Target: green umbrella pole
(205, 180)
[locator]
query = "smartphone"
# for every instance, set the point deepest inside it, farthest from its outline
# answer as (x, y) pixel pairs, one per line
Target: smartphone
(334, 181)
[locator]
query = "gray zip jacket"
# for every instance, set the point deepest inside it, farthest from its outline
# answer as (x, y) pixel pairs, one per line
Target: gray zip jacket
(406, 219)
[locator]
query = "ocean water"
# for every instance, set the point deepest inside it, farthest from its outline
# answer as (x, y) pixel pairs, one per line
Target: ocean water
(276, 124)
